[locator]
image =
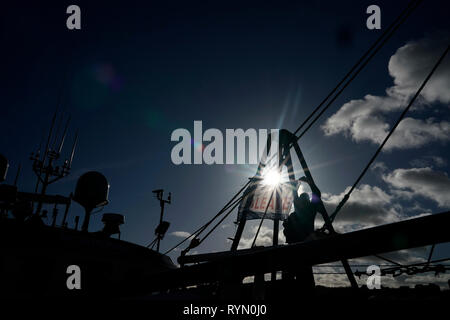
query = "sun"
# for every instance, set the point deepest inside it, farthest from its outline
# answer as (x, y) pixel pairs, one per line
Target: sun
(272, 178)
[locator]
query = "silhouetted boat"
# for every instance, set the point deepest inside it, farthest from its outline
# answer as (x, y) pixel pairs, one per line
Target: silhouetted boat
(35, 257)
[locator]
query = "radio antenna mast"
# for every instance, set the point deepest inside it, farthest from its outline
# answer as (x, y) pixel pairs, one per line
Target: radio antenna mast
(45, 166)
(161, 229)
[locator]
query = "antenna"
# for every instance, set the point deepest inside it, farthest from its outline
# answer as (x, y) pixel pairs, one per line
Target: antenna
(57, 131)
(50, 134)
(73, 149)
(163, 226)
(3, 167)
(17, 175)
(58, 106)
(64, 136)
(44, 167)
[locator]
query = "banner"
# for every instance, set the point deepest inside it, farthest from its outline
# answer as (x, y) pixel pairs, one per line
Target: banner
(255, 203)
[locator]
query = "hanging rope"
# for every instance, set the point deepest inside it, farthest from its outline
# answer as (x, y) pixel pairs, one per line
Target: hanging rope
(346, 197)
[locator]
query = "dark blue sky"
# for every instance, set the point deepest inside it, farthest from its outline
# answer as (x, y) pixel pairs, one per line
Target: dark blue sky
(137, 70)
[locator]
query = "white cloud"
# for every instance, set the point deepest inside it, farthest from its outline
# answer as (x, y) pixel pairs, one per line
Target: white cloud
(422, 182)
(412, 62)
(368, 206)
(367, 119)
(352, 115)
(414, 133)
(379, 166)
(265, 237)
(180, 234)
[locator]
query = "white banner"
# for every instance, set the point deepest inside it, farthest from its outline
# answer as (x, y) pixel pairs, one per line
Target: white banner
(255, 203)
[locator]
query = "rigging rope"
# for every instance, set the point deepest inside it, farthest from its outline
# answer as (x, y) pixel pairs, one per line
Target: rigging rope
(414, 268)
(236, 203)
(264, 216)
(386, 259)
(388, 33)
(391, 32)
(346, 197)
(202, 228)
(410, 5)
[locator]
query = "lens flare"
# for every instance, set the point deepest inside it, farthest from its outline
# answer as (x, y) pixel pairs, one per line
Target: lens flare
(272, 178)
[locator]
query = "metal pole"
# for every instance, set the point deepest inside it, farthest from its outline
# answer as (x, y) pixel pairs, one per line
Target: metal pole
(86, 219)
(66, 211)
(238, 235)
(161, 203)
(276, 227)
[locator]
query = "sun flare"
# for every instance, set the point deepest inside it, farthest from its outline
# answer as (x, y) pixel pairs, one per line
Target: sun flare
(272, 178)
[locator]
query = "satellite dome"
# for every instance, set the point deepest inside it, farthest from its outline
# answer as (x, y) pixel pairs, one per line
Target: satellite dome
(92, 190)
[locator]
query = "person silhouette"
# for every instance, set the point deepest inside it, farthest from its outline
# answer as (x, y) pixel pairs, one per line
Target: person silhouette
(300, 223)
(297, 228)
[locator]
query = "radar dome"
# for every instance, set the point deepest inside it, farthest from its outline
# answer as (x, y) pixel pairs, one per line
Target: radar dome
(92, 190)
